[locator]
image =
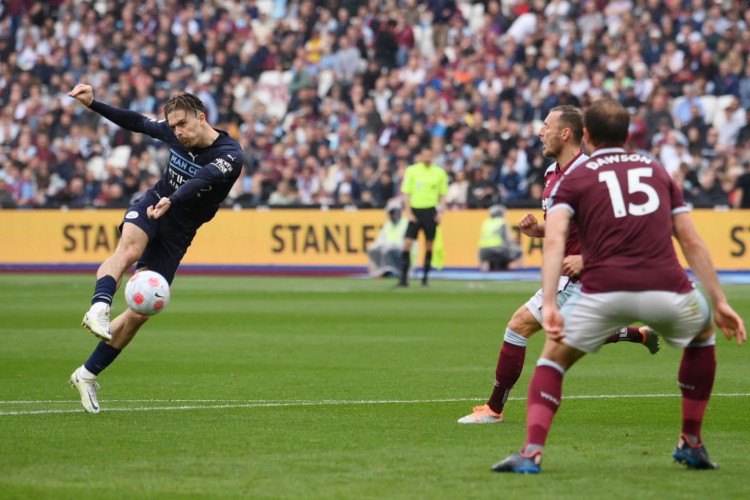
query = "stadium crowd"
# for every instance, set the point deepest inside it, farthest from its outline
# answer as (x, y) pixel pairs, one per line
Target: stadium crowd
(332, 99)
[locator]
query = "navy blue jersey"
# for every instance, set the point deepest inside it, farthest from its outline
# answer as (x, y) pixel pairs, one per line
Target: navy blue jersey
(196, 180)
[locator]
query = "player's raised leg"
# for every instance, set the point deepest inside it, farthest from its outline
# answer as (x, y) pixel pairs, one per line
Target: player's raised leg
(130, 247)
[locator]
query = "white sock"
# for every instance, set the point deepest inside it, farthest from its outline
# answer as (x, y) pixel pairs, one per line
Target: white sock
(84, 373)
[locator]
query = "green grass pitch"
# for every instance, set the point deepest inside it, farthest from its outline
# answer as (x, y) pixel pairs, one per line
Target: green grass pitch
(251, 387)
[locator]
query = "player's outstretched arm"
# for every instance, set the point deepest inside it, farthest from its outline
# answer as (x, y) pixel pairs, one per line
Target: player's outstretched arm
(83, 93)
(125, 118)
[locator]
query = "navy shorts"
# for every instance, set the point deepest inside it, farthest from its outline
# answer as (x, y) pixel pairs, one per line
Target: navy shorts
(168, 237)
(425, 221)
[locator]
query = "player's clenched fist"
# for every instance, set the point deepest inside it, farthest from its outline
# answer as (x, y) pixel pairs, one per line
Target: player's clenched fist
(156, 211)
(529, 226)
(83, 93)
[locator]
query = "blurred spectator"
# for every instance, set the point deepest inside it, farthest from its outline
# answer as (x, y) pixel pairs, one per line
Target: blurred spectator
(712, 193)
(386, 46)
(384, 189)
(347, 190)
(729, 121)
(511, 184)
(442, 12)
(658, 114)
(285, 194)
(741, 194)
(7, 200)
(458, 191)
(744, 88)
(743, 136)
(688, 107)
(482, 190)
(671, 145)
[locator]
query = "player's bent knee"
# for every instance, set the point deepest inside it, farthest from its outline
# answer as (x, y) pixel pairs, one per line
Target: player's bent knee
(524, 323)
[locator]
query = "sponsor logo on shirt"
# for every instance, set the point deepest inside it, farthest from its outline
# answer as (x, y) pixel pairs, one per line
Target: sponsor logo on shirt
(182, 165)
(181, 169)
(222, 165)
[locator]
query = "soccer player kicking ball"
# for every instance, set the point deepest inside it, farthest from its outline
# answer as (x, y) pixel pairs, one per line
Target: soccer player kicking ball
(617, 200)
(561, 136)
(158, 228)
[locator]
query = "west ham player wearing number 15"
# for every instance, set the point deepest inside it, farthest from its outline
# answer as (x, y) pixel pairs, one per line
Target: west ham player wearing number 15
(158, 228)
(618, 201)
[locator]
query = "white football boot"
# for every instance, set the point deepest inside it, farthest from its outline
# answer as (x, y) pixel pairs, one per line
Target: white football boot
(85, 382)
(96, 320)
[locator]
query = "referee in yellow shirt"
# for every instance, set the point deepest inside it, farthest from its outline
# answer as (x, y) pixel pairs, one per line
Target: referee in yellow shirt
(423, 191)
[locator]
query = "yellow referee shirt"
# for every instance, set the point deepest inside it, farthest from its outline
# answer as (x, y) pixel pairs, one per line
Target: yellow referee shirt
(425, 185)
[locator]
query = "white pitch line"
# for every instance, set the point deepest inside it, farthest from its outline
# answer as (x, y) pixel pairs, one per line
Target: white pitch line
(238, 403)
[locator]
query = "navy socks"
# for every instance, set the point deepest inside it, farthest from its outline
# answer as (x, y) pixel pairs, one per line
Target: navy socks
(106, 287)
(103, 356)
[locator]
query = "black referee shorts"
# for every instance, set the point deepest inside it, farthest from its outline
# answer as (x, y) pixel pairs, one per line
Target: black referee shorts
(425, 221)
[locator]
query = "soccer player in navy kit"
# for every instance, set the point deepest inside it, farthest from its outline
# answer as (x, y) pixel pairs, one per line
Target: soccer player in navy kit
(158, 228)
(618, 200)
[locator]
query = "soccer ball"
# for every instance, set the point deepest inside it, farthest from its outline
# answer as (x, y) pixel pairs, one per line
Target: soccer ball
(147, 293)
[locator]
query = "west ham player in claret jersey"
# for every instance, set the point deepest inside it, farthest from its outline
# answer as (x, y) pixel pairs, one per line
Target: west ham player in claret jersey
(626, 208)
(561, 136)
(158, 228)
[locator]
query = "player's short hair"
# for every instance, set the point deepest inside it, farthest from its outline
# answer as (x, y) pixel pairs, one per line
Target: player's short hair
(571, 117)
(607, 122)
(186, 102)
